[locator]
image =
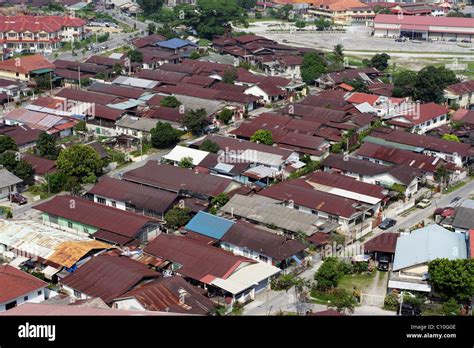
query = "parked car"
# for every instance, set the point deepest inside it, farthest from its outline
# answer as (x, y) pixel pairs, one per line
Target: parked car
(455, 199)
(17, 198)
(424, 203)
(466, 41)
(452, 40)
(387, 223)
(104, 47)
(410, 310)
(400, 39)
(384, 263)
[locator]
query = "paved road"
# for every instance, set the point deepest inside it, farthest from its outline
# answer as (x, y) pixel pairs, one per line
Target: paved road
(117, 173)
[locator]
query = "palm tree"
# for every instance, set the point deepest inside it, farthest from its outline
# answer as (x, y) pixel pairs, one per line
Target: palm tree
(338, 53)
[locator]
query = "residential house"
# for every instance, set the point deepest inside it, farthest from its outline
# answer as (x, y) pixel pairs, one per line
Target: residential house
(336, 11)
(382, 246)
(107, 277)
(168, 294)
(421, 119)
(23, 136)
(19, 287)
(41, 166)
(330, 80)
(81, 216)
(223, 274)
(450, 151)
(185, 182)
(374, 173)
(129, 196)
(25, 68)
(8, 183)
(415, 250)
(460, 94)
(39, 33)
(464, 219)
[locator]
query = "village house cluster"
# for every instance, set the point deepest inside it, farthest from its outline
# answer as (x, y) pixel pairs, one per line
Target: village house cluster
(205, 223)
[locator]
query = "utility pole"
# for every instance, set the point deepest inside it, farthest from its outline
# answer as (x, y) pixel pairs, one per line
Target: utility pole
(401, 303)
(79, 75)
(51, 82)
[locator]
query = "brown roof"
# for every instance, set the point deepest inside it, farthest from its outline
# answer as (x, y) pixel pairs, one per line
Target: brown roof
(101, 60)
(166, 113)
(199, 80)
(313, 113)
(171, 294)
(21, 135)
(302, 141)
(460, 88)
(149, 40)
(319, 238)
(41, 166)
(108, 277)
(119, 91)
(246, 235)
(424, 141)
(85, 96)
(199, 261)
(166, 77)
(15, 283)
(426, 112)
(175, 179)
(303, 194)
(97, 215)
(386, 242)
(142, 197)
(106, 112)
(68, 253)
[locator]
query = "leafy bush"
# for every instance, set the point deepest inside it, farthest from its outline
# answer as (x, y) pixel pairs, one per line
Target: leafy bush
(390, 302)
(283, 282)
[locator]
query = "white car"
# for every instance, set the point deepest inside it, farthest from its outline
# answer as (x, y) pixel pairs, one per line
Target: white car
(424, 203)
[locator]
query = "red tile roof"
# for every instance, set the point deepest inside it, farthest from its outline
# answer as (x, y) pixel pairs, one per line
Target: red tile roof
(26, 64)
(199, 261)
(426, 112)
(15, 283)
(108, 277)
(425, 20)
(36, 24)
(359, 98)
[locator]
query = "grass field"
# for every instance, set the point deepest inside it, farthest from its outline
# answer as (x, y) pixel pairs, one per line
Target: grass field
(361, 281)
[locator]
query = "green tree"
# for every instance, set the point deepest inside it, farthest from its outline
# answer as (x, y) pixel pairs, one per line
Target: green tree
(220, 200)
(186, 162)
(150, 7)
(163, 136)
(230, 75)
(247, 4)
(7, 143)
(24, 171)
(43, 82)
(300, 24)
(313, 67)
(338, 54)
(380, 61)
(81, 126)
(46, 146)
(80, 161)
(151, 28)
(382, 9)
(209, 146)
(166, 31)
(404, 84)
(135, 56)
(442, 174)
(194, 55)
(322, 23)
(453, 278)
(225, 116)
(359, 85)
(329, 274)
(117, 69)
(195, 120)
(262, 136)
(451, 137)
(170, 102)
(9, 160)
(215, 16)
(284, 12)
(343, 300)
(177, 217)
(456, 13)
(56, 182)
(431, 82)
(450, 307)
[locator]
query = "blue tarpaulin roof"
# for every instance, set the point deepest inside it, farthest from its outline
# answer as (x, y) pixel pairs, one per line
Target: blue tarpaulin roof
(209, 225)
(175, 43)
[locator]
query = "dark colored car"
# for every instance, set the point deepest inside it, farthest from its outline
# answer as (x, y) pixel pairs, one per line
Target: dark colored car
(384, 263)
(410, 310)
(17, 198)
(455, 199)
(466, 41)
(387, 223)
